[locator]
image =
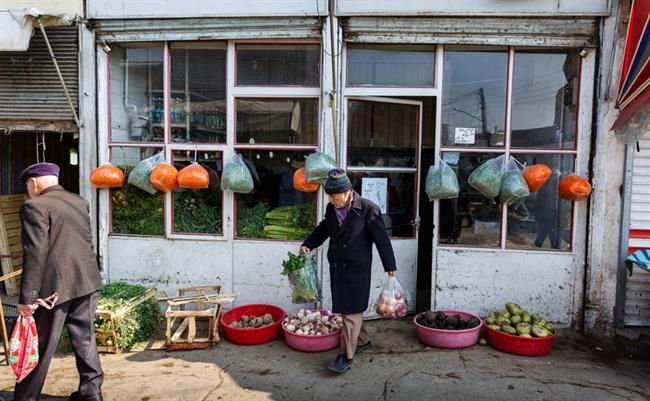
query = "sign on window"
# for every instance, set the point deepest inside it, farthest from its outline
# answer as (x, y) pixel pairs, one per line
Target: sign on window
(465, 136)
(376, 190)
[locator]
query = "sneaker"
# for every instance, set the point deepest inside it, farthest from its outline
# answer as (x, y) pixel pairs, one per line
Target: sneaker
(340, 364)
(362, 347)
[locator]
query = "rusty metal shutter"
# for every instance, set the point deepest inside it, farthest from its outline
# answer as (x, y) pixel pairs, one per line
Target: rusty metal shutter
(31, 96)
(637, 286)
(208, 29)
(550, 32)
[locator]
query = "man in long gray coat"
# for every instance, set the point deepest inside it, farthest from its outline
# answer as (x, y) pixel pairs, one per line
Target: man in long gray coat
(59, 258)
(352, 224)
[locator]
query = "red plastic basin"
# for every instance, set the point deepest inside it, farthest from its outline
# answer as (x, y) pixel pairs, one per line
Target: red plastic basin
(448, 338)
(526, 346)
(305, 343)
(258, 335)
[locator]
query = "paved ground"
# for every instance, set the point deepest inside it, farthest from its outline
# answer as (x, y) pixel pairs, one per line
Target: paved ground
(397, 368)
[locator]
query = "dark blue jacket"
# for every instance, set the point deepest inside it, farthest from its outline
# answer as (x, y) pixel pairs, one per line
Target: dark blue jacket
(350, 252)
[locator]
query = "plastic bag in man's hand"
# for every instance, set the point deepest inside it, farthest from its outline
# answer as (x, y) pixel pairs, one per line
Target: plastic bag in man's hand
(487, 177)
(23, 347)
(139, 176)
(317, 167)
(513, 185)
(392, 300)
(441, 182)
(304, 283)
(236, 176)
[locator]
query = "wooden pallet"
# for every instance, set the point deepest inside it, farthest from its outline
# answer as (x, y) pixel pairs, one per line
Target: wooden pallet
(11, 247)
(111, 316)
(206, 303)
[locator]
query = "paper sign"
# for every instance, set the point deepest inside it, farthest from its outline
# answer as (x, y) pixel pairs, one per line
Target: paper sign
(376, 190)
(451, 158)
(465, 136)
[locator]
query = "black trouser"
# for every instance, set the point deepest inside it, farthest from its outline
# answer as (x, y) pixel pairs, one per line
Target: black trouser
(77, 315)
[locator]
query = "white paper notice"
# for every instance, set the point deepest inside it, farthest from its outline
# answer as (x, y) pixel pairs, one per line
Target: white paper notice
(376, 190)
(465, 136)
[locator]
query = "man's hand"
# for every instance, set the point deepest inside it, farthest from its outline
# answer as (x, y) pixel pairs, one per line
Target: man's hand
(26, 310)
(393, 273)
(304, 250)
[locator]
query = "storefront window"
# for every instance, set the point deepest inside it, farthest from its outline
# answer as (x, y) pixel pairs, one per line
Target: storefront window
(134, 210)
(474, 97)
(390, 65)
(382, 134)
(198, 211)
(278, 65)
(471, 219)
(136, 93)
(542, 220)
(273, 120)
(198, 93)
(545, 99)
(292, 212)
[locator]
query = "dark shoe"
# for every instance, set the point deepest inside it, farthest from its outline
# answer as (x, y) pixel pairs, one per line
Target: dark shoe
(78, 397)
(362, 347)
(340, 364)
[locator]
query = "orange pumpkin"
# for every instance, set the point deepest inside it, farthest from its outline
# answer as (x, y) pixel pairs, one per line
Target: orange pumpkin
(193, 177)
(573, 187)
(536, 176)
(107, 176)
(300, 181)
(163, 177)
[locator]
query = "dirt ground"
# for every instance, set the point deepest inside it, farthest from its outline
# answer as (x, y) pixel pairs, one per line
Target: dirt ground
(398, 367)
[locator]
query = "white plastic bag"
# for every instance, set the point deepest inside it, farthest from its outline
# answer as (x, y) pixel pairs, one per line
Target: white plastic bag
(236, 177)
(441, 182)
(513, 185)
(139, 176)
(392, 300)
(487, 177)
(317, 167)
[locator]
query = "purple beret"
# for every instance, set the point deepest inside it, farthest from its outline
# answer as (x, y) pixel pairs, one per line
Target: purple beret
(39, 170)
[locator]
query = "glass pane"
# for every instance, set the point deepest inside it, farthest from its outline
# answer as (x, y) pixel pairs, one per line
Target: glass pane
(388, 65)
(198, 211)
(382, 134)
(471, 219)
(278, 65)
(543, 220)
(136, 86)
(545, 99)
(135, 211)
(198, 93)
(474, 97)
(275, 170)
(400, 200)
(292, 121)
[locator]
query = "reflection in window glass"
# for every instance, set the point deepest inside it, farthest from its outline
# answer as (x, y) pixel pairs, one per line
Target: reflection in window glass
(470, 219)
(400, 203)
(198, 211)
(287, 121)
(389, 65)
(136, 86)
(543, 220)
(135, 211)
(278, 65)
(474, 105)
(382, 134)
(545, 99)
(198, 93)
(273, 190)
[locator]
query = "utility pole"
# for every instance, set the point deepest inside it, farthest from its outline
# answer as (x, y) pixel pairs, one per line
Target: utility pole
(483, 115)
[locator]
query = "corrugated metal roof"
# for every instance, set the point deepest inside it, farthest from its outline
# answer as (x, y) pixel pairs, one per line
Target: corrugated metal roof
(552, 32)
(30, 90)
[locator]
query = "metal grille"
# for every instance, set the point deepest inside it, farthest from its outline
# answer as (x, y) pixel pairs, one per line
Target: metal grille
(553, 32)
(31, 96)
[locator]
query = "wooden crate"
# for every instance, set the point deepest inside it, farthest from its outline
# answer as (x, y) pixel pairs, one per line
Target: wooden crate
(111, 317)
(11, 247)
(206, 301)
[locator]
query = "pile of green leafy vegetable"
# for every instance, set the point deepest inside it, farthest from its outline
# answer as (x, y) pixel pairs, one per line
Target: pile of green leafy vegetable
(303, 276)
(290, 222)
(135, 211)
(252, 221)
(197, 211)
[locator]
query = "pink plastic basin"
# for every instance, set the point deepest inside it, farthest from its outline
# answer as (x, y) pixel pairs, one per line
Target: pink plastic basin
(448, 338)
(259, 335)
(305, 343)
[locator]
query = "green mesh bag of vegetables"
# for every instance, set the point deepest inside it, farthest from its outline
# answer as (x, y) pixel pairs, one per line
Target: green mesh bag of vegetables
(303, 277)
(139, 176)
(513, 185)
(317, 167)
(487, 177)
(441, 182)
(236, 177)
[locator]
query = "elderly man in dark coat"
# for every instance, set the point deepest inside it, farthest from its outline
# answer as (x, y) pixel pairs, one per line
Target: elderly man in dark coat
(59, 258)
(352, 224)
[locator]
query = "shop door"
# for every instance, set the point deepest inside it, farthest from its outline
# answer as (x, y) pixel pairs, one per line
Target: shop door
(382, 156)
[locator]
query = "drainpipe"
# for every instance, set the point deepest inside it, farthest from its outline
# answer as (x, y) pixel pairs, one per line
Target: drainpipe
(332, 96)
